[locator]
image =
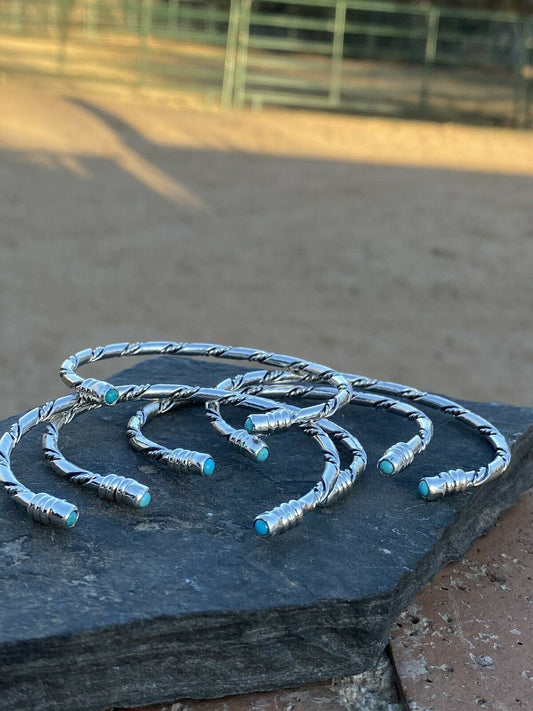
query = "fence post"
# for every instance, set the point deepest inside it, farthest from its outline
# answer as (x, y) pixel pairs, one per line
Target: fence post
(528, 75)
(523, 89)
(132, 10)
(15, 24)
(146, 27)
(63, 20)
(241, 58)
(91, 18)
(172, 17)
(228, 82)
(335, 82)
(430, 54)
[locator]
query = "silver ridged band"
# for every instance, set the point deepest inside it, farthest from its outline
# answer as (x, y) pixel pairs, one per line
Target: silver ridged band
(321, 492)
(396, 458)
(298, 367)
(416, 444)
(41, 507)
(247, 444)
(112, 487)
(92, 390)
(291, 377)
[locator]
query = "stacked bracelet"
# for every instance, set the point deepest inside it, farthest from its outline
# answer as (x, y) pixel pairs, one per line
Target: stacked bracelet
(288, 378)
(332, 484)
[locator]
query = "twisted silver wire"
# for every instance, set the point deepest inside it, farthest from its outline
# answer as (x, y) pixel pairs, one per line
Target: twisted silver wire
(42, 507)
(289, 514)
(453, 480)
(101, 391)
(124, 489)
(112, 487)
(396, 458)
(331, 485)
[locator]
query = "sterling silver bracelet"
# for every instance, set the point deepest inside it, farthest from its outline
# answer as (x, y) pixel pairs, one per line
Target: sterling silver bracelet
(399, 456)
(290, 514)
(113, 487)
(453, 480)
(126, 490)
(181, 460)
(249, 445)
(48, 509)
(332, 485)
(282, 418)
(396, 458)
(42, 507)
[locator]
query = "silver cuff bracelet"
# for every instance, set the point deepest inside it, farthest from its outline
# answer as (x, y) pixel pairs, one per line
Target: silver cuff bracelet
(331, 485)
(100, 391)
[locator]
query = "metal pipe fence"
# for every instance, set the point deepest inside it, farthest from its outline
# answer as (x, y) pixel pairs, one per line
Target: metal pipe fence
(343, 55)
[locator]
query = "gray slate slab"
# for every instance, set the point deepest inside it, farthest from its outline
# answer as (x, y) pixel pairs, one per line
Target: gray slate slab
(182, 599)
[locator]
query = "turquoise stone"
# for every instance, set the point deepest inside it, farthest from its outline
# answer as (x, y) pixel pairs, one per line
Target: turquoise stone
(262, 455)
(111, 396)
(145, 500)
(386, 467)
(260, 527)
(72, 518)
(209, 467)
(423, 488)
(248, 425)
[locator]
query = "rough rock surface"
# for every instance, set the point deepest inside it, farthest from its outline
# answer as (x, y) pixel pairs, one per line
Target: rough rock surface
(372, 690)
(183, 600)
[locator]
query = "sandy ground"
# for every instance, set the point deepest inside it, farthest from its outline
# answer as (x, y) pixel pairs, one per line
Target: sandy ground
(400, 250)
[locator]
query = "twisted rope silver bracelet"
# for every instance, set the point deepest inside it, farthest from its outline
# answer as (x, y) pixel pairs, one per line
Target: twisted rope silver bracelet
(112, 487)
(42, 507)
(396, 458)
(289, 514)
(48, 509)
(249, 445)
(126, 490)
(399, 456)
(282, 418)
(180, 459)
(453, 480)
(331, 486)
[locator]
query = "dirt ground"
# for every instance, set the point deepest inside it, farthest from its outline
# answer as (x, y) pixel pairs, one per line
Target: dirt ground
(400, 250)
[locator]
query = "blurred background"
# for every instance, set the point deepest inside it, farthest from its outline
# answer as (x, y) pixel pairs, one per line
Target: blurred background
(343, 180)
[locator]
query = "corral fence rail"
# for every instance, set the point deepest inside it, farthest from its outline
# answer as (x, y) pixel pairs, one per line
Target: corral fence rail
(342, 55)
